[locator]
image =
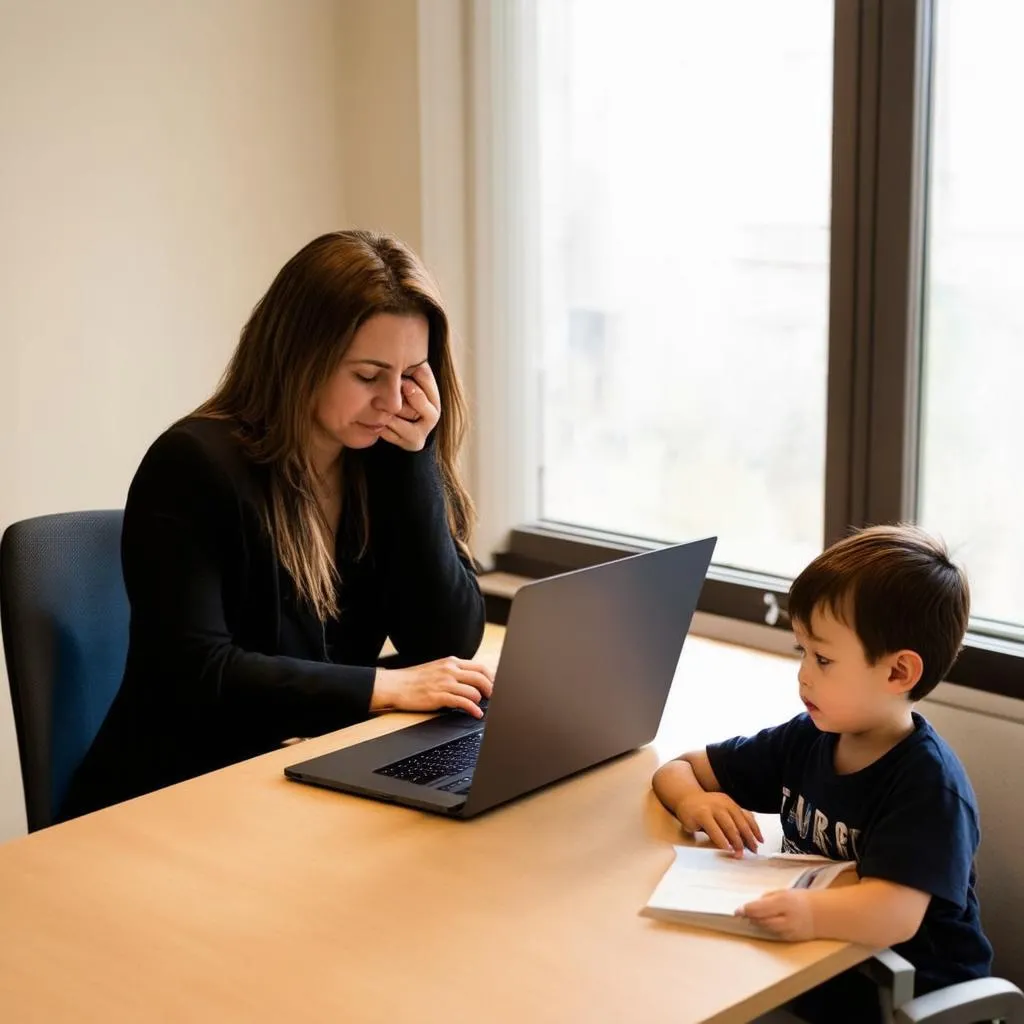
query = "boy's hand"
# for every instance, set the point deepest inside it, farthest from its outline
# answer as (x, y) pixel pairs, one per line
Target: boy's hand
(786, 913)
(727, 825)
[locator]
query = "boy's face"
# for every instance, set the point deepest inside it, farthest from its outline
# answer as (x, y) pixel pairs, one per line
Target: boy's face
(840, 689)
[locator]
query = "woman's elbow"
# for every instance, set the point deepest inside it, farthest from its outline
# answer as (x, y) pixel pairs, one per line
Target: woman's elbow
(454, 632)
(466, 619)
(472, 632)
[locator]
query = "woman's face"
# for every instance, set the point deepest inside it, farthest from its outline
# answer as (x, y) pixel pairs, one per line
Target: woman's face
(365, 391)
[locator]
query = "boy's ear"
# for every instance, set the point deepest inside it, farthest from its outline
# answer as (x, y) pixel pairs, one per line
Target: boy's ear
(905, 670)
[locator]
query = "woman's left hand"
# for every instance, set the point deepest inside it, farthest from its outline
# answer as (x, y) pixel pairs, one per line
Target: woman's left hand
(421, 409)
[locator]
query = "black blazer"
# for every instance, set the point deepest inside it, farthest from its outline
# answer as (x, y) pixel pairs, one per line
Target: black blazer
(224, 660)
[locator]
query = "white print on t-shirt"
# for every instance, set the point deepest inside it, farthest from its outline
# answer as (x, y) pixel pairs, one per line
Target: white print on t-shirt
(837, 840)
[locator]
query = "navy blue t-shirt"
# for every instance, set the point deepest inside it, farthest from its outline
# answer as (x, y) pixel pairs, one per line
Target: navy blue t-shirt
(910, 818)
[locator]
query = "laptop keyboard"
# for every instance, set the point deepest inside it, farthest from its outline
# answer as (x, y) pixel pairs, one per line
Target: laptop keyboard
(455, 756)
(460, 785)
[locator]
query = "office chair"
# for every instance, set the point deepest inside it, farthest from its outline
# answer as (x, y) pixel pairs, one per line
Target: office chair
(969, 1002)
(64, 616)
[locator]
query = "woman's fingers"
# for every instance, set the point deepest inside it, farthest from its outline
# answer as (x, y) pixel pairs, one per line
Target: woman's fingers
(457, 701)
(475, 666)
(477, 680)
(424, 376)
(464, 690)
(416, 404)
(411, 432)
(395, 433)
(420, 412)
(445, 683)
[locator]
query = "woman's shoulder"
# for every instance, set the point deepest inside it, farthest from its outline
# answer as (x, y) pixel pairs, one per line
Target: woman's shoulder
(195, 478)
(201, 449)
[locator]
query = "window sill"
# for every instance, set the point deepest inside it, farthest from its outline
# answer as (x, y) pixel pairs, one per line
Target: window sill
(735, 606)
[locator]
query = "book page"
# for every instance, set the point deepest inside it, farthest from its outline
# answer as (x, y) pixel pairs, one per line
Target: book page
(708, 881)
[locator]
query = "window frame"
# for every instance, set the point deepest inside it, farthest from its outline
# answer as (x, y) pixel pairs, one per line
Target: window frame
(876, 312)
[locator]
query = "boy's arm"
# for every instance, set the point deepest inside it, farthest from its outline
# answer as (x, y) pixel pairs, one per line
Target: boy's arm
(688, 773)
(709, 789)
(689, 789)
(872, 913)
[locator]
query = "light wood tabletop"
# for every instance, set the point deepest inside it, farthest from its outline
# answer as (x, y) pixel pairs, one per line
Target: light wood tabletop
(240, 896)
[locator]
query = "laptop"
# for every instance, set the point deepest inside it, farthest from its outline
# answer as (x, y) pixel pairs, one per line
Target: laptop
(585, 671)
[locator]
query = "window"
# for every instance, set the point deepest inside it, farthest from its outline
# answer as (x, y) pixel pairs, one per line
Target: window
(753, 270)
(972, 438)
(684, 166)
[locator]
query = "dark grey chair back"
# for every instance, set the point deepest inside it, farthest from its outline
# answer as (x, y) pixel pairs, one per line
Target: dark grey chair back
(64, 615)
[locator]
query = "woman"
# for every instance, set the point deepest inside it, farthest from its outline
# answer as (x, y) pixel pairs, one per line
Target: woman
(306, 512)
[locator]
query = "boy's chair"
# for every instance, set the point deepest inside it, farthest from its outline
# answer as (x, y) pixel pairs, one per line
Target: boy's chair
(969, 1002)
(64, 615)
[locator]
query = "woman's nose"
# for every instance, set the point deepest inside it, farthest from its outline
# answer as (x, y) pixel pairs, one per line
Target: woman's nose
(389, 398)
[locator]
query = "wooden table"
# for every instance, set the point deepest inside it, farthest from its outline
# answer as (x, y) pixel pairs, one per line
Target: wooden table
(241, 896)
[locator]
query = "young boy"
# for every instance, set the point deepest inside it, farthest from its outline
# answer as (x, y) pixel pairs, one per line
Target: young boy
(879, 618)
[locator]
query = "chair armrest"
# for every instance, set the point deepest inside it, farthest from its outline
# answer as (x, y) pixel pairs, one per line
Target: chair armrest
(894, 977)
(966, 1003)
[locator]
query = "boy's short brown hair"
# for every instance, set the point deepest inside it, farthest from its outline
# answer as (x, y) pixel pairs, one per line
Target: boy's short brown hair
(897, 588)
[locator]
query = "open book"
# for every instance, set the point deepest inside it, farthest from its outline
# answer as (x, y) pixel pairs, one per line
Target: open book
(705, 887)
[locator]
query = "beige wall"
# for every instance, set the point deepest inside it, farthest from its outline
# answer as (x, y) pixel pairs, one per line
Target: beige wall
(159, 162)
(987, 732)
(380, 116)
(403, 117)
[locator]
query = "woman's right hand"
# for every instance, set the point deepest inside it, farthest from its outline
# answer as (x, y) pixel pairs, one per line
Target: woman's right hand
(727, 825)
(445, 683)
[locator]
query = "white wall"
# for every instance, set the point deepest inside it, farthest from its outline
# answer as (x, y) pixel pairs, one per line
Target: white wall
(159, 162)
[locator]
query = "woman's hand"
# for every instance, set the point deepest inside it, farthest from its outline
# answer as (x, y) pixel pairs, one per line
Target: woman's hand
(446, 683)
(420, 412)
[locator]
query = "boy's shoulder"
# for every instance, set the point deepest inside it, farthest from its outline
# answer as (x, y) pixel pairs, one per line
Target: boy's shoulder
(797, 735)
(927, 760)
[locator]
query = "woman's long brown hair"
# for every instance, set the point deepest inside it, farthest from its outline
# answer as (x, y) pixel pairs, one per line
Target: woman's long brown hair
(291, 345)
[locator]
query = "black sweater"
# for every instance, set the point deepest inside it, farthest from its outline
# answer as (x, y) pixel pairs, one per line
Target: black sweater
(224, 660)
